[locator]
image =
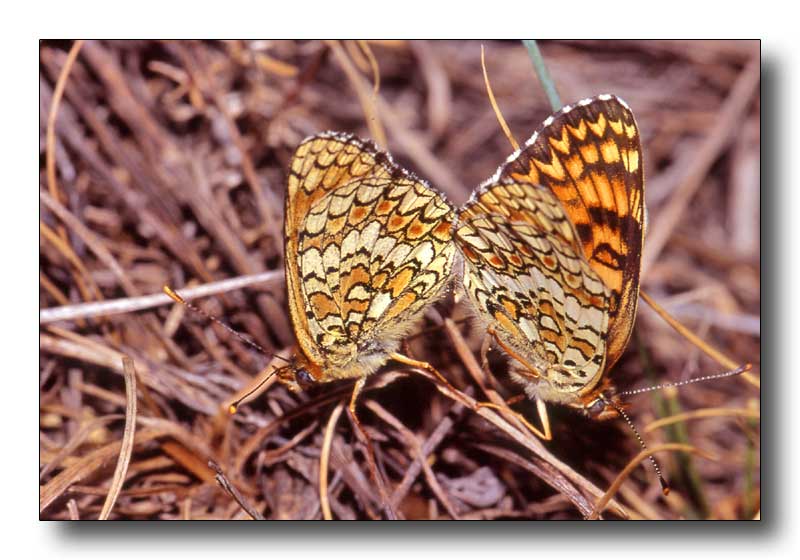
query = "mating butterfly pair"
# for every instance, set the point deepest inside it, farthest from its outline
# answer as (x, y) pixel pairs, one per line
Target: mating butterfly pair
(551, 248)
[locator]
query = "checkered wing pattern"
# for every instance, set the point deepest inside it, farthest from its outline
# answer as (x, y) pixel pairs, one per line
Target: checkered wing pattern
(527, 277)
(589, 155)
(552, 246)
(368, 246)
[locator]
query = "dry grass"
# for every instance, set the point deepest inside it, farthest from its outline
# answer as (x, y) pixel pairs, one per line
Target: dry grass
(163, 163)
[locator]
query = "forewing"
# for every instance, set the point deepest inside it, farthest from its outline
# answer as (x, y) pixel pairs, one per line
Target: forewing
(589, 155)
(526, 274)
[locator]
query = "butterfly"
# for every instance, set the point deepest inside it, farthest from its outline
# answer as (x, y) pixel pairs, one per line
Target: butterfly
(368, 247)
(552, 248)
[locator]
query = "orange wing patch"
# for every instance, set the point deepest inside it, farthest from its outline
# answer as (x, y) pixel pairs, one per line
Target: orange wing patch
(603, 196)
(552, 245)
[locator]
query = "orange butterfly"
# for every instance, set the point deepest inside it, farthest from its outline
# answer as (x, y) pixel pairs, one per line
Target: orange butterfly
(368, 246)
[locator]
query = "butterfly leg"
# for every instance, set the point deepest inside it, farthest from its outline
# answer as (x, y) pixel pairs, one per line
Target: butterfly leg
(544, 418)
(486, 345)
(362, 435)
(541, 407)
(544, 433)
(357, 388)
(421, 365)
(511, 352)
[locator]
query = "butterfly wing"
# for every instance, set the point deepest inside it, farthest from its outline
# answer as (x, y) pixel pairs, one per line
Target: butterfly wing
(589, 155)
(367, 246)
(526, 275)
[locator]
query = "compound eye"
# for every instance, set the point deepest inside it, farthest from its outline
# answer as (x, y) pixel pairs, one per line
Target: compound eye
(596, 408)
(304, 378)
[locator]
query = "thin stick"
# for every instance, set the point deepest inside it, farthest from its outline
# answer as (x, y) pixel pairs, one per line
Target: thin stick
(204, 78)
(58, 93)
(413, 143)
(512, 426)
(726, 124)
(324, 459)
(373, 64)
(428, 447)
(52, 289)
(707, 349)
(366, 441)
(234, 493)
(523, 438)
(477, 373)
(273, 455)
(493, 101)
(541, 71)
(76, 441)
(86, 284)
(544, 470)
(416, 451)
(88, 464)
(126, 449)
(368, 102)
(90, 238)
(72, 507)
(252, 444)
(129, 305)
(702, 413)
(644, 454)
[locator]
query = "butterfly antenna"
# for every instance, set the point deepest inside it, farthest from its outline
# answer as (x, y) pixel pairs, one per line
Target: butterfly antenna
(178, 299)
(730, 373)
(250, 394)
(664, 484)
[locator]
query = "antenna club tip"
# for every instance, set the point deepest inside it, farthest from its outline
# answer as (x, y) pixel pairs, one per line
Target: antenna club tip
(172, 294)
(232, 409)
(665, 489)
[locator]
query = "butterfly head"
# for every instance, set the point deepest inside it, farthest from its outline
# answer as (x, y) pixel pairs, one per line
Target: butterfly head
(601, 406)
(299, 374)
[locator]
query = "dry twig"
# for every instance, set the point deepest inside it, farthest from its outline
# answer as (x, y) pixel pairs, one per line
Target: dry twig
(127, 439)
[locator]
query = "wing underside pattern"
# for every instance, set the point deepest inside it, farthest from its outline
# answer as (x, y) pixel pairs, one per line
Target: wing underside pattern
(552, 243)
(527, 277)
(368, 246)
